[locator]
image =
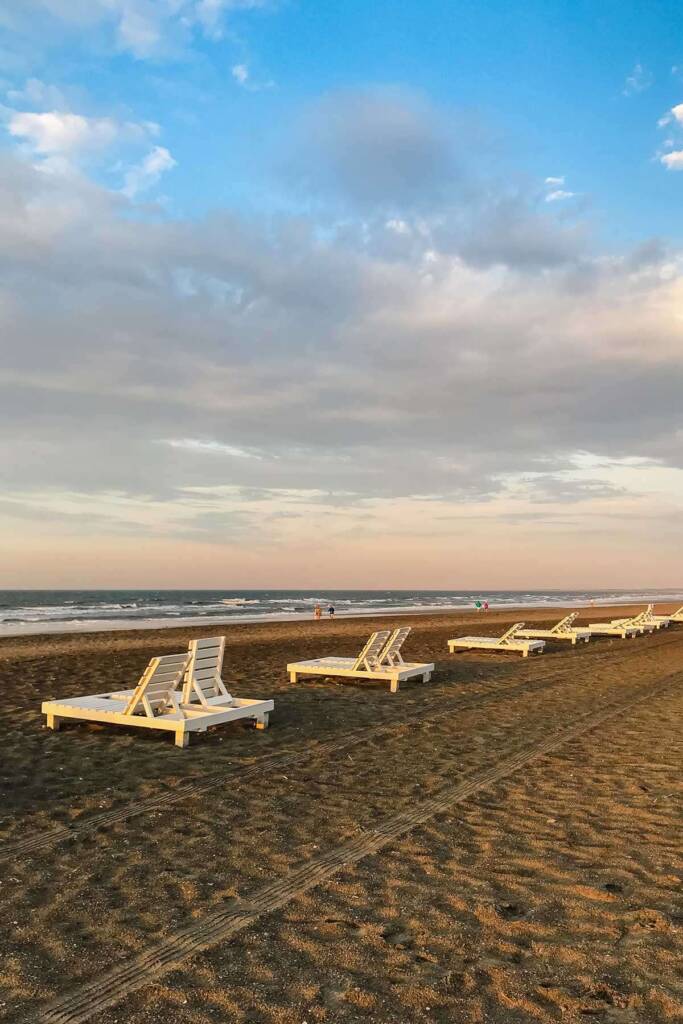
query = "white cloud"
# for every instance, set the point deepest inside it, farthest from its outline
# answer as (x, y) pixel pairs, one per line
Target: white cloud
(213, 448)
(61, 138)
(36, 93)
(242, 75)
(671, 116)
(144, 28)
(240, 72)
(145, 174)
(673, 161)
(54, 132)
(339, 351)
(638, 81)
(558, 194)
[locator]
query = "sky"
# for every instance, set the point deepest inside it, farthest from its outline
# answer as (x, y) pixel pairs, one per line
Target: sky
(314, 294)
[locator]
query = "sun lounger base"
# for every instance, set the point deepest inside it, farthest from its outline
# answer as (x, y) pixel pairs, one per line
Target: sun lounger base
(107, 709)
(476, 643)
(343, 667)
(574, 636)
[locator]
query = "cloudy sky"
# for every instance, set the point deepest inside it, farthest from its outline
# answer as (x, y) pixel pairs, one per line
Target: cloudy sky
(302, 293)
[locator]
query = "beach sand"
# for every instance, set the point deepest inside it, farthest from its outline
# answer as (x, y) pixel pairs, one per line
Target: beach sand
(502, 844)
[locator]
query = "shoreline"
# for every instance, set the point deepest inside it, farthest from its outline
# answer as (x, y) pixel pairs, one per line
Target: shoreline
(76, 627)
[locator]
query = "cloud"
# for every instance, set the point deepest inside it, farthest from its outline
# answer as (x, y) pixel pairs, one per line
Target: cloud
(145, 28)
(312, 369)
(638, 81)
(240, 72)
(673, 116)
(673, 161)
(375, 148)
(558, 194)
(62, 139)
(148, 172)
(242, 75)
(555, 192)
(213, 448)
(37, 93)
(64, 133)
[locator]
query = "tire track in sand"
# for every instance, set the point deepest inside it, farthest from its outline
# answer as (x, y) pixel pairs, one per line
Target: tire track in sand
(111, 987)
(241, 774)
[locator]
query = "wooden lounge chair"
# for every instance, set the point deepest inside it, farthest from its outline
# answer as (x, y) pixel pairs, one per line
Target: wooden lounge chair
(640, 621)
(379, 659)
(154, 704)
(676, 616)
(658, 621)
(509, 641)
(563, 630)
(617, 627)
(203, 684)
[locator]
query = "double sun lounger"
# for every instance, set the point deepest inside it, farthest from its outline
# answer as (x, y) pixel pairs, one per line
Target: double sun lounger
(182, 693)
(625, 628)
(379, 659)
(562, 630)
(510, 641)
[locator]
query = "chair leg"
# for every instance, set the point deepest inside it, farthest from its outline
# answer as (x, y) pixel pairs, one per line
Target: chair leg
(53, 722)
(292, 677)
(182, 738)
(262, 721)
(393, 686)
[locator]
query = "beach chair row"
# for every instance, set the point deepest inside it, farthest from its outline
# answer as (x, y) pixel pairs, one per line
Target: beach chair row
(185, 693)
(533, 641)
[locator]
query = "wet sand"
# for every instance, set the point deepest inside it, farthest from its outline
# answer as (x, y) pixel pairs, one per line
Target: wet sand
(454, 852)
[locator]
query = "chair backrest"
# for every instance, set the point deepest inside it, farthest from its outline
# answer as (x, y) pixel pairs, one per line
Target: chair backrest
(679, 611)
(391, 652)
(369, 656)
(158, 685)
(564, 625)
(510, 633)
(203, 674)
(645, 615)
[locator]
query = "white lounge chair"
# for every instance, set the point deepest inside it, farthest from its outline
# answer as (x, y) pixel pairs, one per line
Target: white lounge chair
(640, 621)
(154, 704)
(563, 630)
(676, 616)
(617, 627)
(509, 641)
(203, 684)
(379, 659)
(658, 621)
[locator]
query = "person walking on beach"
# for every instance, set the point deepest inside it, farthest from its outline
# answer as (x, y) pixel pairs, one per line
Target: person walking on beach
(330, 611)
(486, 606)
(477, 605)
(317, 613)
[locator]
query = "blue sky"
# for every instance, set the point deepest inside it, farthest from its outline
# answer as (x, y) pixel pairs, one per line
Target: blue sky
(547, 82)
(352, 294)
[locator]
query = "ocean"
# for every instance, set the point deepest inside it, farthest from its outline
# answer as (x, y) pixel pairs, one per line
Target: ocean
(33, 611)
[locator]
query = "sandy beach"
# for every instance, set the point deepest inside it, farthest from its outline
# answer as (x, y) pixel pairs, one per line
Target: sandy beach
(501, 844)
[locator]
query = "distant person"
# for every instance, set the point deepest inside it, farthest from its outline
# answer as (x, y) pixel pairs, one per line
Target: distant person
(330, 611)
(477, 605)
(486, 606)
(317, 613)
